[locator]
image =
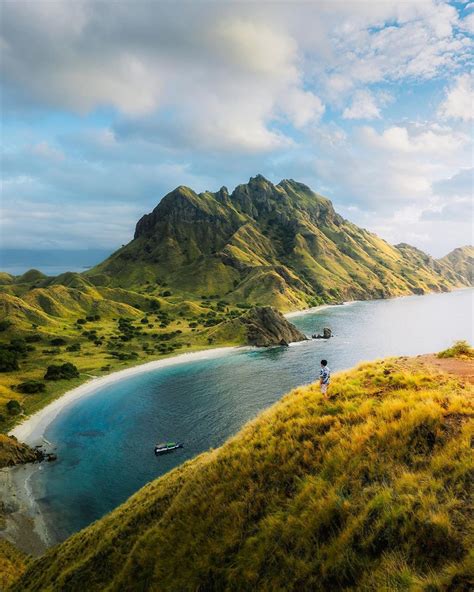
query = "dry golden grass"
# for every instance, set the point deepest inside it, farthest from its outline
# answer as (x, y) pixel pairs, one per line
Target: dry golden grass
(368, 491)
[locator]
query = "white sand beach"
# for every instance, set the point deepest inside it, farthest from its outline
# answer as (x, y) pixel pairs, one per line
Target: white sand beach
(32, 429)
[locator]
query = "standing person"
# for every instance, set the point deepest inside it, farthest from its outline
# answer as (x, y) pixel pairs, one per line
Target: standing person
(324, 377)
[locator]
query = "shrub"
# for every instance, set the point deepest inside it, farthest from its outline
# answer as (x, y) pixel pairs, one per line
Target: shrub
(81, 321)
(33, 338)
(13, 407)
(30, 387)
(460, 349)
(18, 345)
(75, 347)
(4, 325)
(58, 341)
(66, 371)
(166, 293)
(8, 360)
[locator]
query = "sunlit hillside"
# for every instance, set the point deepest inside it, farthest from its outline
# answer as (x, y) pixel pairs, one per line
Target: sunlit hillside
(369, 490)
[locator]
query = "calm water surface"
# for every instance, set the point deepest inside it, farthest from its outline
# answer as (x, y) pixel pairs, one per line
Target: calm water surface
(105, 442)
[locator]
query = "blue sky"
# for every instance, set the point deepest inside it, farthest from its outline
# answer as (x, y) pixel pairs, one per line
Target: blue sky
(107, 106)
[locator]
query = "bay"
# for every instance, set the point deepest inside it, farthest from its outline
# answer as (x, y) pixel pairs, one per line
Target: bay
(105, 441)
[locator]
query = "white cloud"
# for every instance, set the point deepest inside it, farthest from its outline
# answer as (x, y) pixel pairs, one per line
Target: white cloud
(363, 106)
(458, 102)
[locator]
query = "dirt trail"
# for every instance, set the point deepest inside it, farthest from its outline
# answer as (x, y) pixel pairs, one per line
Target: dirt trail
(464, 369)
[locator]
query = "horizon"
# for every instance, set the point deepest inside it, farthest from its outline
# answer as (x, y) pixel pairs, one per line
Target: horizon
(368, 105)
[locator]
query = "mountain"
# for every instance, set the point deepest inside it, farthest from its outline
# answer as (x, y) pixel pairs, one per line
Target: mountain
(367, 491)
(281, 245)
(461, 261)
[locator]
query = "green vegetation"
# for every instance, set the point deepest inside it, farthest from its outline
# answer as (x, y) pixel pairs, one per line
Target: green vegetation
(461, 349)
(366, 491)
(64, 372)
(197, 263)
(13, 452)
(12, 564)
(281, 245)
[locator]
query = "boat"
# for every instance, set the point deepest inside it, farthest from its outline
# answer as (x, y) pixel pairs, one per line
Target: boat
(165, 447)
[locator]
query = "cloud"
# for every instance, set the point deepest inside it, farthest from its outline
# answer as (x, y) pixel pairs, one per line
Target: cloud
(460, 184)
(364, 106)
(136, 98)
(458, 102)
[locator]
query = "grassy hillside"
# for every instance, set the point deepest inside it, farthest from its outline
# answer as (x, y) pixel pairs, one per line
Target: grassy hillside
(282, 245)
(366, 491)
(12, 564)
(461, 261)
(13, 452)
(197, 263)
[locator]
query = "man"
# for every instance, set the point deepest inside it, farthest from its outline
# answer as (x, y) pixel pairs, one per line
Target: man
(324, 377)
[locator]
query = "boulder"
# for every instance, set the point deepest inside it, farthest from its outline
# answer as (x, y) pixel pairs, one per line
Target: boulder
(327, 334)
(267, 326)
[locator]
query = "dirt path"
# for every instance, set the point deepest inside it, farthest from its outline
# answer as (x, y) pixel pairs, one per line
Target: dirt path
(464, 369)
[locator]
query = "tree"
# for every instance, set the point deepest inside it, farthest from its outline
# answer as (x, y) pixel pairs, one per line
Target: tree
(30, 387)
(8, 360)
(13, 407)
(66, 371)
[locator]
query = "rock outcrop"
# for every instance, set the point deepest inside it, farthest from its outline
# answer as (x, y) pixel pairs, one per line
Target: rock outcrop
(266, 326)
(13, 452)
(327, 334)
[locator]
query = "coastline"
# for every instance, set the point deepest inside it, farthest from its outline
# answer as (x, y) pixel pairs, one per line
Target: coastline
(24, 523)
(26, 526)
(31, 430)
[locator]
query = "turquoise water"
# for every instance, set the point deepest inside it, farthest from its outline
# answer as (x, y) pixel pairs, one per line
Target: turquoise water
(105, 442)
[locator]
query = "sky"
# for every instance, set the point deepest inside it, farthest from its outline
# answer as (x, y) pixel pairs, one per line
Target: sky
(108, 106)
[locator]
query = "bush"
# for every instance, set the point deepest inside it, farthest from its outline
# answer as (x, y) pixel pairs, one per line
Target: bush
(75, 347)
(34, 338)
(30, 387)
(4, 325)
(13, 407)
(8, 360)
(18, 345)
(460, 349)
(58, 341)
(166, 293)
(66, 371)
(81, 321)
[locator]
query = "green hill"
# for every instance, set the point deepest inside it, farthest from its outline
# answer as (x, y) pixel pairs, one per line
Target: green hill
(196, 264)
(367, 491)
(461, 261)
(282, 245)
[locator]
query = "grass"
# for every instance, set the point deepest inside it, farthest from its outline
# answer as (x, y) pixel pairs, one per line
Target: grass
(145, 342)
(12, 564)
(367, 491)
(460, 349)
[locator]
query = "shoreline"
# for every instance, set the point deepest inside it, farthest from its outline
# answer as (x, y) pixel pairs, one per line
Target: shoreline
(31, 430)
(25, 526)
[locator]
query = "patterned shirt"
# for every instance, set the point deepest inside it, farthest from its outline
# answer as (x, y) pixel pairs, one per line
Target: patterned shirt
(325, 375)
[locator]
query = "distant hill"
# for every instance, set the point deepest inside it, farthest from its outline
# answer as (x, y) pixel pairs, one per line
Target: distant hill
(368, 491)
(461, 261)
(282, 245)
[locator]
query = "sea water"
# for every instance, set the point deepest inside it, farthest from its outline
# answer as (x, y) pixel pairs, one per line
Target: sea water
(105, 441)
